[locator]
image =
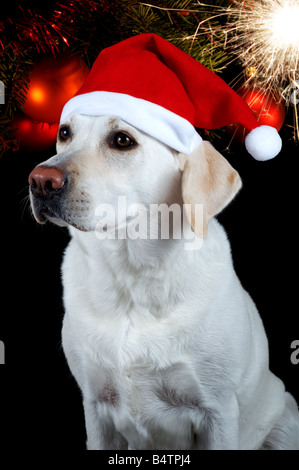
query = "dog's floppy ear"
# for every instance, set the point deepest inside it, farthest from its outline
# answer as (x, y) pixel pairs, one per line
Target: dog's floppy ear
(208, 179)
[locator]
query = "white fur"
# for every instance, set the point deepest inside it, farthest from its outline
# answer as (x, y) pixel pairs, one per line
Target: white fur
(167, 348)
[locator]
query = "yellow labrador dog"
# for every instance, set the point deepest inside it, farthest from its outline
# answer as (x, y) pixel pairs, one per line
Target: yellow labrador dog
(168, 349)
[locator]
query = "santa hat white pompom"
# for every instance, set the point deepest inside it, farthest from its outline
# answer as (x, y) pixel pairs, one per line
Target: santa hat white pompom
(263, 143)
(156, 87)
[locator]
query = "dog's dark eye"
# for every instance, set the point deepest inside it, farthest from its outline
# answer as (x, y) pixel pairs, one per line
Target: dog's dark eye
(64, 133)
(123, 141)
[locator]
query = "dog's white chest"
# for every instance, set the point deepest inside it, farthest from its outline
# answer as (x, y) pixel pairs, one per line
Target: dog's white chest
(143, 403)
(139, 379)
(139, 370)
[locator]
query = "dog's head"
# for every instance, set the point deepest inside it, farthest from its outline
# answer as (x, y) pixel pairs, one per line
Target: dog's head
(101, 158)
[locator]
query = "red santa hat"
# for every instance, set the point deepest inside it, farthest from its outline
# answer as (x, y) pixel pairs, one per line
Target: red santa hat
(151, 84)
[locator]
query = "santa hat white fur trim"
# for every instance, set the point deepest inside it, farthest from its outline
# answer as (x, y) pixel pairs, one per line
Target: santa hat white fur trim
(263, 143)
(159, 122)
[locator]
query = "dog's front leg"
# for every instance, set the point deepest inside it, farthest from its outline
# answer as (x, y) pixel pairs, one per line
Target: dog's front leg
(100, 430)
(219, 429)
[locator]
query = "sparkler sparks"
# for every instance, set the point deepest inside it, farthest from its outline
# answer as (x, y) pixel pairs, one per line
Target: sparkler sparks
(284, 26)
(264, 34)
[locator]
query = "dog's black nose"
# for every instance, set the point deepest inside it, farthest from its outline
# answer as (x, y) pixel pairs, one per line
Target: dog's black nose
(45, 181)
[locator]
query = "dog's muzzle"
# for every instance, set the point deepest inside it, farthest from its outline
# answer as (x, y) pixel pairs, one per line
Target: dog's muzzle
(47, 185)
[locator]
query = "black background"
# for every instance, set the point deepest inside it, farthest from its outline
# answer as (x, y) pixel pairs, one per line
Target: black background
(40, 403)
